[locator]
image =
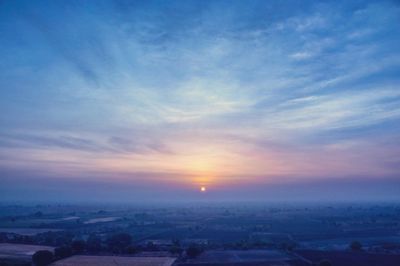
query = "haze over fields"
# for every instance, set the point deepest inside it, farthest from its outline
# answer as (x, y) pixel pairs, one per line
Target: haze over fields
(121, 101)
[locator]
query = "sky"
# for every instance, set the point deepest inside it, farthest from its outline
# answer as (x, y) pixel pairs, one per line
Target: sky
(254, 100)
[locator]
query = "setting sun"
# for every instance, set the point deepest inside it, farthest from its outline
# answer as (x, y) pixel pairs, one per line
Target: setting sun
(203, 189)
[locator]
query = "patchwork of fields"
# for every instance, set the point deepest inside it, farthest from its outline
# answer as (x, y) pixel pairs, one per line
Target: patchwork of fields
(220, 235)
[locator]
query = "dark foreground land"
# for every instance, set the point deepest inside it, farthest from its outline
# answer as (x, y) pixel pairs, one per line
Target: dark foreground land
(201, 234)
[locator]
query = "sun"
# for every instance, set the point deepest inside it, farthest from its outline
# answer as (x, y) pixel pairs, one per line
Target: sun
(203, 189)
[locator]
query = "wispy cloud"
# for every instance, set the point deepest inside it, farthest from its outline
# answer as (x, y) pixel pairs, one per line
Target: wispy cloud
(227, 90)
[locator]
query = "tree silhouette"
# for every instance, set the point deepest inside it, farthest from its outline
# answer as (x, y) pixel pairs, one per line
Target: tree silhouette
(193, 251)
(78, 246)
(93, 243)
(119, 242)
(42, 258)
(324, 263)
(356, 246)
(62, 252)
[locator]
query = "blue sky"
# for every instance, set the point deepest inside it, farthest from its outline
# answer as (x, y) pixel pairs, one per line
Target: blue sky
(167, 96)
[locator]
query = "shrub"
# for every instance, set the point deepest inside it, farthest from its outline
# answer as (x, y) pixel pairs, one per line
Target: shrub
(62, 252)
(42, 258)
(193, 251)
(78, 246)
(131, 249)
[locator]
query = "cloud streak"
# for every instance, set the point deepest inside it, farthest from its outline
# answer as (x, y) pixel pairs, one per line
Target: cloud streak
(212, 92)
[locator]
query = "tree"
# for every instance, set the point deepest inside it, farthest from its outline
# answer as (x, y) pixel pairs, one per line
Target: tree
(118, 242)
(355, 246)
(62, 252)
(176, 250)
(42, 258)
(288, 246)
(193, 251)
(93, 243)
(150, 246)
(78, 246)
(324, 263)
(131, 249)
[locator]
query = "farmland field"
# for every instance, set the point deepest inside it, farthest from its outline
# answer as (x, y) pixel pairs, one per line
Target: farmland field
(8, 250)
(114, 260)
(239, 256)
(28, 231)
(221, 234)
